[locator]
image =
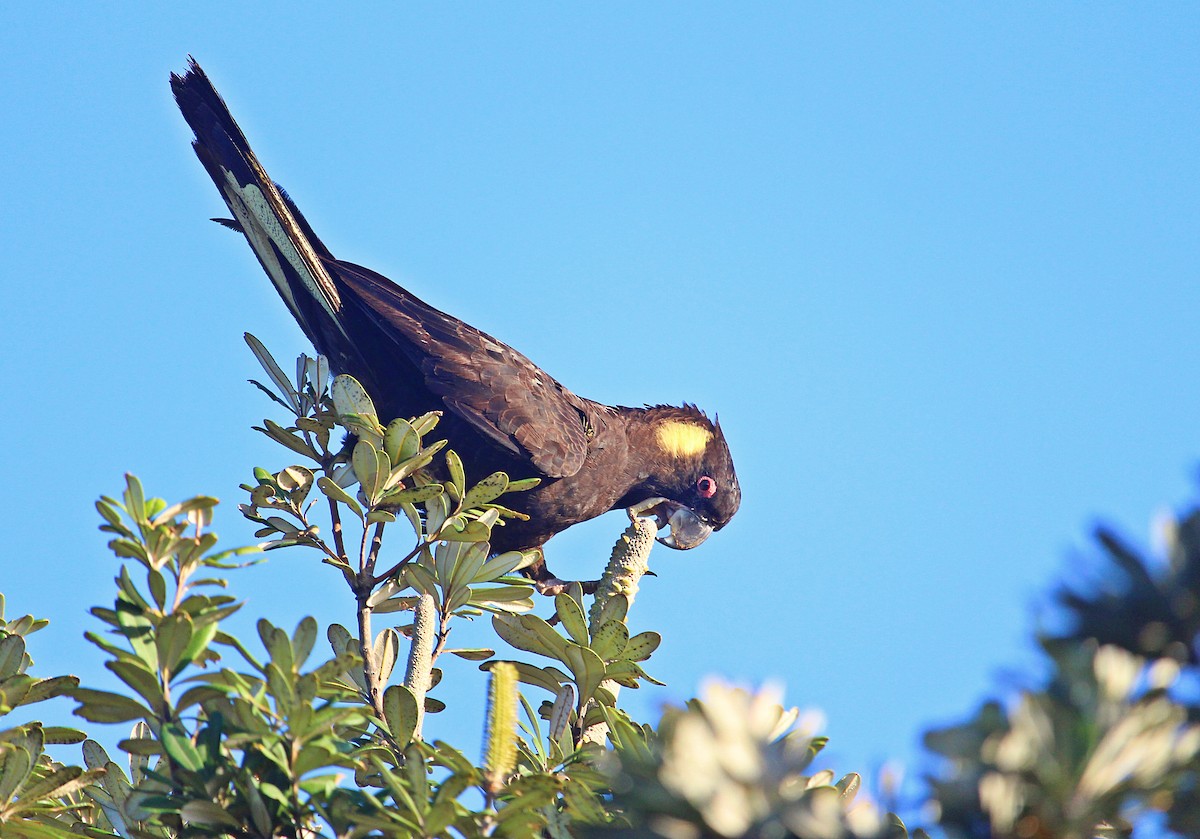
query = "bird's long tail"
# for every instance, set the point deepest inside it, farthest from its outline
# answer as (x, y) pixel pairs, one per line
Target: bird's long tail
(289, 251)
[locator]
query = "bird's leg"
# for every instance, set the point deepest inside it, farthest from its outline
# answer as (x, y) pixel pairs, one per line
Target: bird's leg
(546, 583)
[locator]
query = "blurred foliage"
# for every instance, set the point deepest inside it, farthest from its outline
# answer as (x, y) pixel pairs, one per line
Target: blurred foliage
(1112, 737)
(731, 764)
(233, 738)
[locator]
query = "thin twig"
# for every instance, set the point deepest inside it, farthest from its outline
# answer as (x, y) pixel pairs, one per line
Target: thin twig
(373, 554)
(395, 569)
(338, 542)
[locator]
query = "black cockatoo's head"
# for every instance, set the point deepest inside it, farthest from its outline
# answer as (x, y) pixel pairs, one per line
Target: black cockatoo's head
(693, 486)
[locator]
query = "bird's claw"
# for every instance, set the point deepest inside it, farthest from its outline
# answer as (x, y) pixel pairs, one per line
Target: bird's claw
(553, 586)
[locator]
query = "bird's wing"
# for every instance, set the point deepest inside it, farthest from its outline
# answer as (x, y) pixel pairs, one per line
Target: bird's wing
(496, 389)
(363, 322)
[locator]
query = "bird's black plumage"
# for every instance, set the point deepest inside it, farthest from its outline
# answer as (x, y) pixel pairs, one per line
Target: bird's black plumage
(501, 411)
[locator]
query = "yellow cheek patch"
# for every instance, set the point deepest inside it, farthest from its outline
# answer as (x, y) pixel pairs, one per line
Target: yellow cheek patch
(682, 439)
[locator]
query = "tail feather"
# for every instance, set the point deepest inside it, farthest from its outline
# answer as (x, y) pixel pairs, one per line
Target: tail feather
(280, 236)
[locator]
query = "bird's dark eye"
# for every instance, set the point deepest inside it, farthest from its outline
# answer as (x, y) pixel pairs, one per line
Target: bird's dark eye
(707, 487)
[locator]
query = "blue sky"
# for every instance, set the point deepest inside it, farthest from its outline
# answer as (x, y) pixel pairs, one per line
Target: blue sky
(935, 265)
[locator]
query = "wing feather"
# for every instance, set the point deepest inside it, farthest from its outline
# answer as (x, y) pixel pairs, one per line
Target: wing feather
(500, 392)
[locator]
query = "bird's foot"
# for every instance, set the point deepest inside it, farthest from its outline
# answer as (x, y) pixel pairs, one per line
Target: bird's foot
(552, 586)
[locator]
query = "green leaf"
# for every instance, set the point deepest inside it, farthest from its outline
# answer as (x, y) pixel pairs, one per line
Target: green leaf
(135, 499)
(287, 439)
(385, 651)
(297, 481)
(542, 677)
(349, 397)
(134, 674)
(207, 813)
(303, 639)
(611, 640)
(625, 672)
(458, 477)
(400, 441)
(58, 735)
(470, 558)
(436, 510)
(203, 635)
(411, 495)
(426, 422)
(278, 645)
(366, 462)
(274, 371)
(172, 639)
(103, 706)
(477, 654)
(418, 461)
(15, 766)
(472, 531)
(510, 598)
(336, 493)
(642, 645)
(572, 618)
(512, 630)
(94, 756)
(400, 713)
(489, 489)
(587, 668)
(420, 578)
(615, 609)
(12, 655)
(498, 566)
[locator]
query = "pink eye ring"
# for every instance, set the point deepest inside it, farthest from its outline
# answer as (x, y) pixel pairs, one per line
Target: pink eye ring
(707, 487)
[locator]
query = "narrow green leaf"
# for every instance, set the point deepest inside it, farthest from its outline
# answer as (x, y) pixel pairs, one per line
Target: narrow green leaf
(426, 422)
(510, 628)
(141, 680)
(287, 439)
(202, 812)
(458, 477)
(587, 669)
(303, 639)
(273, 370)
(572, 618)
(498, 566)
(542, 677)
(103, 706)
(135, 499)
(58, 735)
(366, 469)
(335, 492)
(478, 654)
